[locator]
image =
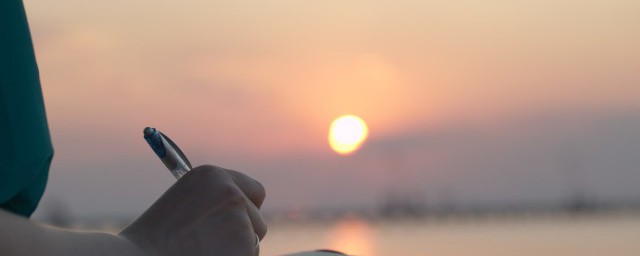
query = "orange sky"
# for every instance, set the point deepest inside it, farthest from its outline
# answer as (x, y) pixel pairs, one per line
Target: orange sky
(251, 81)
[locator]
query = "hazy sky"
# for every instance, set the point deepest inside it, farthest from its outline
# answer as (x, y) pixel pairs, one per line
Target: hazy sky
(471, 101)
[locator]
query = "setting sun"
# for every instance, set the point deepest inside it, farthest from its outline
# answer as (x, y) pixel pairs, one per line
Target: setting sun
(347, 133)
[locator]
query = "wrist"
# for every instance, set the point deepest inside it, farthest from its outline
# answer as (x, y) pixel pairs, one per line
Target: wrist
(62, 242)
(140, 242)
(131, 246)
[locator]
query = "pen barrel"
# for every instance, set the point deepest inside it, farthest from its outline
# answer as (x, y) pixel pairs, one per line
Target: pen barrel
(174, 161)
(174, 165)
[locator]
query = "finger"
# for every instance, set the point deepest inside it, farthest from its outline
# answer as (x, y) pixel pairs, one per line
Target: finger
(238, 237)
(257, 250)
(257, 221)
(252, 188)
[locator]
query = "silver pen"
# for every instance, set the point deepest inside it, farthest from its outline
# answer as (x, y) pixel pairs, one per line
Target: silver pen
(168, 152)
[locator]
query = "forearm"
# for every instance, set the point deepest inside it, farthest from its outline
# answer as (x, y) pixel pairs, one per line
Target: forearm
(20, 236)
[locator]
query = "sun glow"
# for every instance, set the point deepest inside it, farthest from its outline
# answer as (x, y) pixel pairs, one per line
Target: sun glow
(347, 133)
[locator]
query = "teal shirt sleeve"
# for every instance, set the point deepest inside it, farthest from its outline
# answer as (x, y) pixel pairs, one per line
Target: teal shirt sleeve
(25, 144)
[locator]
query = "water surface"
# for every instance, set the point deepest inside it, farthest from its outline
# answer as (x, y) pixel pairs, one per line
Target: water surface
(535, 236)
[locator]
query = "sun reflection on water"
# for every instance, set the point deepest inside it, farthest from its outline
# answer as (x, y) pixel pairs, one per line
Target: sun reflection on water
(353, 236)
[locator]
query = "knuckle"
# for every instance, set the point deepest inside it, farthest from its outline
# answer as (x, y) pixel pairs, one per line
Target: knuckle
(209, 171)
(205, 176)
(231, 195)
(261, 192)
(265, 229)
(255, 189)
(213, 183)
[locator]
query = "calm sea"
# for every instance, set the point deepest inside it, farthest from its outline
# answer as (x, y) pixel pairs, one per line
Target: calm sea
(595, 235)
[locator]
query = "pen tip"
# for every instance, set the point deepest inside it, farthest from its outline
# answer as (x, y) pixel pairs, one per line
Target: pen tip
(148, 131)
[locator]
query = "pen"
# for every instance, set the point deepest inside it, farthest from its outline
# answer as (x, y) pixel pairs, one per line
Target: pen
(168, 152)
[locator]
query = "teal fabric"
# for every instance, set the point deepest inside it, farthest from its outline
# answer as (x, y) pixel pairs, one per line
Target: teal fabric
(25, 145)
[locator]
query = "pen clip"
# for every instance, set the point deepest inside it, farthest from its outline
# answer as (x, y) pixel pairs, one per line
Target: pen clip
(178, 150)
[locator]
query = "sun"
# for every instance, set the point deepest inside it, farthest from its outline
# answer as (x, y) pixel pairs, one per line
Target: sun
(347, 133)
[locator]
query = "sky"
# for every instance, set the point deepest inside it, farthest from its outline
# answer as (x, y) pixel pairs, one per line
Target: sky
(466, 101)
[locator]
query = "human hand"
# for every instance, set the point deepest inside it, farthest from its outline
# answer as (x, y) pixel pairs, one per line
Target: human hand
(209, 211)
